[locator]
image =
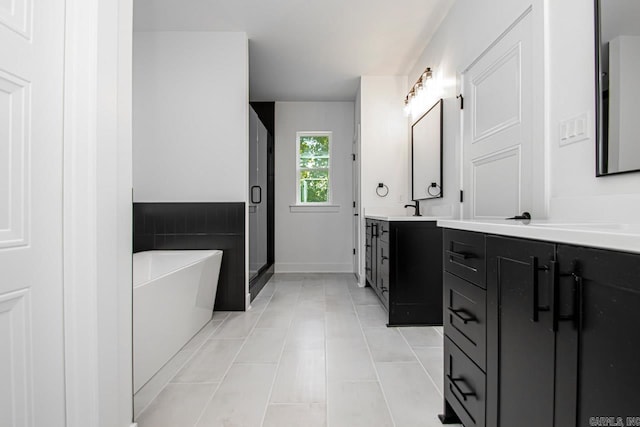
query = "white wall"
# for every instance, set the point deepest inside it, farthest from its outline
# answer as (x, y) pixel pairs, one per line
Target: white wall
(563, 32)
(313, 241)
(575, 191)
(385, 150)
(449, 53)
(190, 116)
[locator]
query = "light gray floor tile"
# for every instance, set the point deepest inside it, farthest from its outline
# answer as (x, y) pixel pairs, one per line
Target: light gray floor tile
(372, 316)
(210, 363)
(413, 399)
(296, 415)
(315, 368)
(177, 405)
(357, 404)
(387, 345)
(237, 325)
(432, 358)
(275, 318)
(349, 360)
(338, 303)
(241, 398)
(364, 296)
(202, 335)
(301, 377)
(306, 334)
(425, 336)
(342, 325)
(262, 346)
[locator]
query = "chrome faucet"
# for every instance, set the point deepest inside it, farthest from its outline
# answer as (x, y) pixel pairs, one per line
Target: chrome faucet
(416, 206)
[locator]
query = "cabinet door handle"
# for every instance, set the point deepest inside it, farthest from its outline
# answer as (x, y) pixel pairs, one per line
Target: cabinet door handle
(454, 383)
(383, 231)
(367, 245)
(536, 291)
(459, 255)
(463, 319)
(576, 315)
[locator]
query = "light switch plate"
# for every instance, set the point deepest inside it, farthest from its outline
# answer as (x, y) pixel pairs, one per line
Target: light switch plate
(574, 130)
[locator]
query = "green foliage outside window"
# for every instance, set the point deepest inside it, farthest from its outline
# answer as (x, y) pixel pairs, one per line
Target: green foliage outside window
(313, 160)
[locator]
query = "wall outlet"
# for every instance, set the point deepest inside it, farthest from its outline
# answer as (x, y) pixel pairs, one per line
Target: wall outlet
(574, 130)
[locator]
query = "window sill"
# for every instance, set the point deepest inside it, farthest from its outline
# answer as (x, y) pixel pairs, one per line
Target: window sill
(314, 208)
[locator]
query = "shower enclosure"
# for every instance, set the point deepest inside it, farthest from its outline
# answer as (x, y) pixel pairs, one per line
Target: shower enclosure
(260, 196)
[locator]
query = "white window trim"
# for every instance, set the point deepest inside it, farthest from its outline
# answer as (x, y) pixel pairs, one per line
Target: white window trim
(329, 201)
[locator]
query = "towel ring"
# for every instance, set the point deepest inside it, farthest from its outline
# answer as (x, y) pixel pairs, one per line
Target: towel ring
(384, 192)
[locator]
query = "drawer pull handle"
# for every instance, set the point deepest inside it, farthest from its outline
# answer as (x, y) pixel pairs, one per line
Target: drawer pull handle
(454, 383)
(463, 319)
(383, 231)
(459, 255)
(368, 268)
(367, 246)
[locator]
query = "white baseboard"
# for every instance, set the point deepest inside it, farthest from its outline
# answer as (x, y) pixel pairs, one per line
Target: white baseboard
(291, 267)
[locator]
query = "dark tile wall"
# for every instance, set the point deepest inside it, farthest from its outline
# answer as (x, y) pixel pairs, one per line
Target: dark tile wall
(171, 226)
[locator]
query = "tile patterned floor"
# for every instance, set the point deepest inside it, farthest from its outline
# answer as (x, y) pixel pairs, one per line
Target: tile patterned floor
(313, 351)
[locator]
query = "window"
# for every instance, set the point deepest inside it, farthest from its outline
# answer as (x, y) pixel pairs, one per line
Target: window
(313, 167)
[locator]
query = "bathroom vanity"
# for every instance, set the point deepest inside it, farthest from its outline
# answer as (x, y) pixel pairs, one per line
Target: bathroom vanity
(404, 267)
(541, 323)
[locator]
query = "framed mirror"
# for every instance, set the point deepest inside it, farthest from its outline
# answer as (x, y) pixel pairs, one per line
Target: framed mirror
(617, 86)
(426, 155)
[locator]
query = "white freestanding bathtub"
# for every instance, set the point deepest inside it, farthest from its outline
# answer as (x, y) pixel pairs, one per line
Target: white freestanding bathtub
(173, 297)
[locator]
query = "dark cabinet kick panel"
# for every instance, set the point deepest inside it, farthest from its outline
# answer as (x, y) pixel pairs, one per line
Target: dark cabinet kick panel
(404, 268)
(562, 328)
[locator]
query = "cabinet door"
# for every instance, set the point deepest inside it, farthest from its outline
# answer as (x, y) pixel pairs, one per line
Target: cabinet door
(608, 341)
(520, 337)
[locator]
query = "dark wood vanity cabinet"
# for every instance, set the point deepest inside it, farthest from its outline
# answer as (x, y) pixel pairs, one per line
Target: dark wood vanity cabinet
(403, 266)
(562, 334)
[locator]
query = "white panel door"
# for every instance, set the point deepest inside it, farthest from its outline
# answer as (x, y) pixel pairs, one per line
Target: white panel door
(498, 127)
(31, 134)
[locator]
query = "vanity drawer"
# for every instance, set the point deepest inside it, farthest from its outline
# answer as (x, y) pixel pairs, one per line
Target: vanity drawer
(464, 255)
(464, 385)
(465, 317)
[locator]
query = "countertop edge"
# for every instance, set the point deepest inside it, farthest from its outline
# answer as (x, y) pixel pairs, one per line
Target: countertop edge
(616, 241)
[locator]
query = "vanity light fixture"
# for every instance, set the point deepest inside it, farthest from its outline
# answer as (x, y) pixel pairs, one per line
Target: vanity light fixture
(417, 90)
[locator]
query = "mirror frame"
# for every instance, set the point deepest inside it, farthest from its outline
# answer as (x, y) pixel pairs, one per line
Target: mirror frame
(601, 152)
(441, 121)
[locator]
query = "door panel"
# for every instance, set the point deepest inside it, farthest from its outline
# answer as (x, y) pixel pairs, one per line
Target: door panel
(31, 145)
(498, 131)
(520, 363)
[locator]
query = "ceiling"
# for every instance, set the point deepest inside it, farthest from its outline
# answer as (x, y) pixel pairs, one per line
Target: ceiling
(308, 50)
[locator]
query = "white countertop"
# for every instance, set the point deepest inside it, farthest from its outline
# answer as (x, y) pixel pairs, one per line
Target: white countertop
(383, 217)
(620, 237)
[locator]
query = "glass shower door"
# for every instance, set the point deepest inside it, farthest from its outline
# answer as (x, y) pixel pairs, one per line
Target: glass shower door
(258, 158)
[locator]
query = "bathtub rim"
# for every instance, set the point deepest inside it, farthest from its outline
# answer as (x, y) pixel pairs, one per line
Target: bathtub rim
(213, 252)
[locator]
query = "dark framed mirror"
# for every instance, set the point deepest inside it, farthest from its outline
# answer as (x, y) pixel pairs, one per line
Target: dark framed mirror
(617, 86)
(426, 155)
